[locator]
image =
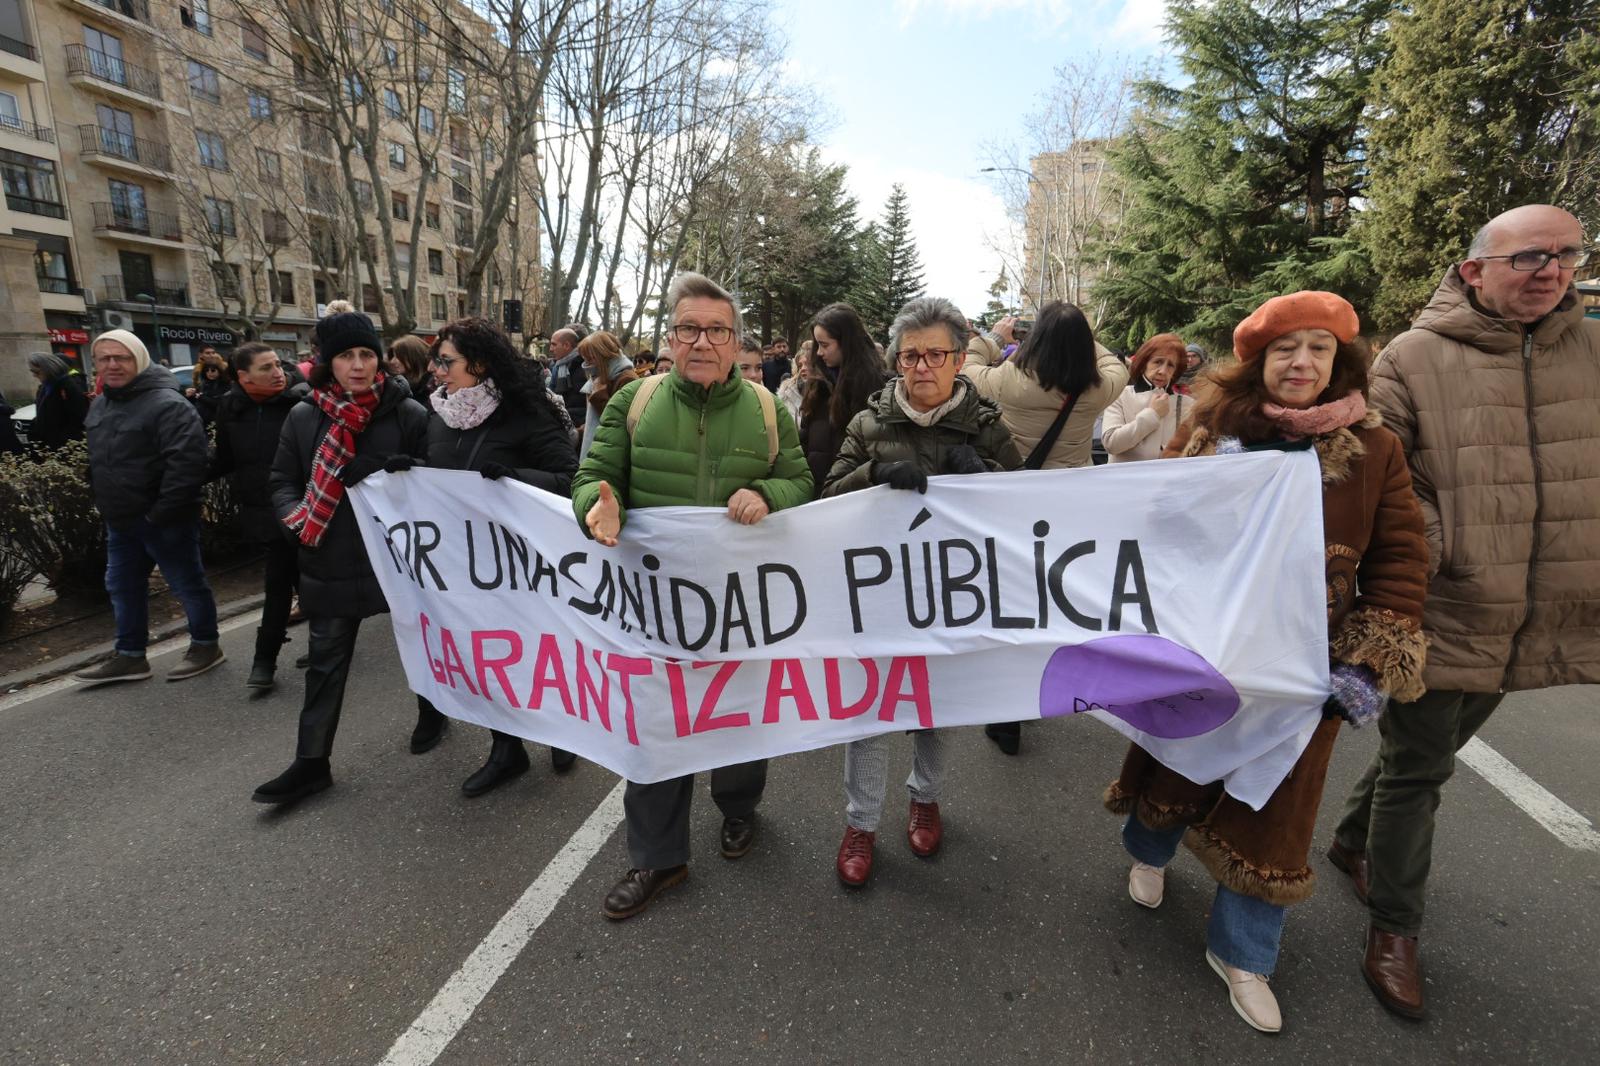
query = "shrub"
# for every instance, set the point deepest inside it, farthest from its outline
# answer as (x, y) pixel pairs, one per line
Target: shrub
(51, 520)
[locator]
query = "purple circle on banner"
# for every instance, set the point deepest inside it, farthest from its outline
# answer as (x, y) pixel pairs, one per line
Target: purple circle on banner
(1153, 684)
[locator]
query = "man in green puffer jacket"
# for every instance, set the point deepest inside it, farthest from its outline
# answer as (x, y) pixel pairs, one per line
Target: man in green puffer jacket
(704, 438)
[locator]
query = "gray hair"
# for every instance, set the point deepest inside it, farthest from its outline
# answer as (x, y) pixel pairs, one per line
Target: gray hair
(49, 365)
(926, 312)
(690, 286)
(1481, 240)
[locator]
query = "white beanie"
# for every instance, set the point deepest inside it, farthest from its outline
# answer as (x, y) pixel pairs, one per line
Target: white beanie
(141, 355)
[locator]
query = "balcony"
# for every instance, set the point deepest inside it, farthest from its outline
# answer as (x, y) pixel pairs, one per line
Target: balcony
(118, 220)
(21, 49)
(98, 70)
(58, 286)
(168, 293)
(315, 139)
(20, 59)
(28, 130)
(124, 151)
(128, 12)
(30, 206)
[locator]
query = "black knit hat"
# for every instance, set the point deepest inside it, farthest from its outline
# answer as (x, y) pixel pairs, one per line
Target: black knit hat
(343, 331)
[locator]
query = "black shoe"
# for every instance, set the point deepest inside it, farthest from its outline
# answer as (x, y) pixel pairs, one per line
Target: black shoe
(1007, 736)
(303, 662)
(561, 761)
(429, 730)
(260, 679)
(303, 778)
(508, 760)
(116, 668)
(738, 834)
(638, 888)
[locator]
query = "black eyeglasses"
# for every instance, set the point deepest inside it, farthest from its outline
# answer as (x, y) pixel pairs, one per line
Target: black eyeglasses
(934, 357)
(1528, 262)
(687, 334)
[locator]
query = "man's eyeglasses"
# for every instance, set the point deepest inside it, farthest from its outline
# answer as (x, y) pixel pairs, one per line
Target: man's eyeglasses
(934, 357)
(687, 334)
(1528, 262)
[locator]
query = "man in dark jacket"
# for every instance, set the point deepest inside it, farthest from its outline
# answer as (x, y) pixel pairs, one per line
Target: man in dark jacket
(147, 461)
(567, 376)
(776, 366)
(249, 420)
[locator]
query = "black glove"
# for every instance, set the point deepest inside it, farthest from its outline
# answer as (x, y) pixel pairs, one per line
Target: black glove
(495, 471)
(904, 475)
(398, 464)
(963, 459)
(358, 470)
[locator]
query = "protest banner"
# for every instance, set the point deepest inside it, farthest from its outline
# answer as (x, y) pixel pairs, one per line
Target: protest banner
(1180, 602)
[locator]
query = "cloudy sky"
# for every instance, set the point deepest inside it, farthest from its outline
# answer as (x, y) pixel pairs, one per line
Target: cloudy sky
(916, 88)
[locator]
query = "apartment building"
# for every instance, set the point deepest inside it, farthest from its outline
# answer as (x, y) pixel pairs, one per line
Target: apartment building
(166, 171)
(1073, 201)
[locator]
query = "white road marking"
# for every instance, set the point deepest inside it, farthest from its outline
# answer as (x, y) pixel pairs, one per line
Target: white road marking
(165, 647)
(1566, 824)
(451, 1009)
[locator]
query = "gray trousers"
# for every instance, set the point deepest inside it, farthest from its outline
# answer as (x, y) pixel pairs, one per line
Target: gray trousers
(658, 813)
(866, 774)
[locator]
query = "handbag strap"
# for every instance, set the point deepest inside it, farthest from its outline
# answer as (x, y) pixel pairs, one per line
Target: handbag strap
(1041, 451)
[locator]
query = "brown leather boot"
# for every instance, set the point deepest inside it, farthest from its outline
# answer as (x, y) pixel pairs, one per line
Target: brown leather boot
(1393, 970)
(1353, 864)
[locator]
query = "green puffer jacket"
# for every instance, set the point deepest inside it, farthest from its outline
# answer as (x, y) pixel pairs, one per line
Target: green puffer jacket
(693, 447)
(884, 434)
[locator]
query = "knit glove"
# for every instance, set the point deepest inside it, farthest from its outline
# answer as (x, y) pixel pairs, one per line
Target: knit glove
(904, 475)
(963, 459)
(494, 471)
(358, 470)
(1356, 696)
(398, 464)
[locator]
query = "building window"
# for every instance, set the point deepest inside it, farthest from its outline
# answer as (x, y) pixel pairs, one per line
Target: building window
(275, 227)
(204, 82)
(196, 14)
(440, 309)
(463, 227)
(283, 286)
(461, 182)
(391, 104)
(260, 105)
(391, 55)
(213, 153)
(364, 194)
(426, 118)
(370, 303)
(31, 185)
(402, 255)
(430, 216)
(435, 262)
(269, 163)
(397, 155)
(229, 279)
(424, 74)
(52, 263)
(219, 217)
(422, 27)
(400, 206)
(253, 40)
(455, 92)
(355, 89)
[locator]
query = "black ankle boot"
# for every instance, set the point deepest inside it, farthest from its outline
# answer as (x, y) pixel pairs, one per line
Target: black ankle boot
(260, 679)
(1007, 736)
(561, 761)
(303, 778)
(430, 728)
(508, 759)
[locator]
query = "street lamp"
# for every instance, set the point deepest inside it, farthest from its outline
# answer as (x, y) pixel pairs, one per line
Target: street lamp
(155, 323)
(1044, 247)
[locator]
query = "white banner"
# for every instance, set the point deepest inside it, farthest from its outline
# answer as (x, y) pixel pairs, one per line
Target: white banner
(1181, 602)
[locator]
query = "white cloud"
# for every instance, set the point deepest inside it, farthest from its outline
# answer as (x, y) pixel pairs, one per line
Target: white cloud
(1140, 23)
(1136, 23)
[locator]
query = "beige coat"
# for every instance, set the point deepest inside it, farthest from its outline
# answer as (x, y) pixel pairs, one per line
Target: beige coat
(1027, 409)
(1501, 427)
(1131, 431)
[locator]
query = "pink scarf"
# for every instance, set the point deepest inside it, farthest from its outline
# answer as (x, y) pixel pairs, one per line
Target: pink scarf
(1314, 421)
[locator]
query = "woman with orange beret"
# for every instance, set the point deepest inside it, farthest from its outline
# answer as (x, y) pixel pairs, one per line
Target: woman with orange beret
(1301, 381)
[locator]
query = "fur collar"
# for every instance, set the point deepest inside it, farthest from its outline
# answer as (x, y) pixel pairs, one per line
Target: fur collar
(1336, 451)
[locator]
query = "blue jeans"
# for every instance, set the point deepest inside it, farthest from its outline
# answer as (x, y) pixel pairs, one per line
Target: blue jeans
(1245, 932)
(131, 553)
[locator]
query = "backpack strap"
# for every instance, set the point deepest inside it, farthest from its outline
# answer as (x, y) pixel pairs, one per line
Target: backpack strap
(641, 397)
(769, 409)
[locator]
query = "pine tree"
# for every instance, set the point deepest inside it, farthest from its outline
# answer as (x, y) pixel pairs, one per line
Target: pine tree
(1451, 150)
(891, 269)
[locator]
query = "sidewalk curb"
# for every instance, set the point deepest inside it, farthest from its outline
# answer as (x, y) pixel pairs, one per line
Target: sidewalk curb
(79, 659)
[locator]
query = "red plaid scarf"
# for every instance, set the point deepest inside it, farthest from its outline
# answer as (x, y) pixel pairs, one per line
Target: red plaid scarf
(349, 415)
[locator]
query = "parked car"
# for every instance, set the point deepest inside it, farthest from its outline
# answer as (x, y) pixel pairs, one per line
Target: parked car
(22, 421)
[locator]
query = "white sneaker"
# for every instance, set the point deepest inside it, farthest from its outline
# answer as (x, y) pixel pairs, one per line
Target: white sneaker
(1250, 996)
(1146, 884)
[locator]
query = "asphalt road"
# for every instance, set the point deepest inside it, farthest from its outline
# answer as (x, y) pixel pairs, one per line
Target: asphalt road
(152, 914)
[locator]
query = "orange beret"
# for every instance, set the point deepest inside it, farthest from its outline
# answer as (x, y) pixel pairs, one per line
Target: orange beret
(1298, 310)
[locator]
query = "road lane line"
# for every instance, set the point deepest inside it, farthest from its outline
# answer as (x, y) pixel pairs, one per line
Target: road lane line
(450, 1010)
(1566, 824)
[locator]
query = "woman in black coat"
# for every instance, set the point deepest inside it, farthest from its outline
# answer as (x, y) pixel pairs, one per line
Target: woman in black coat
(355, 423)
(491, 415)
(845, 372)
(60, 403)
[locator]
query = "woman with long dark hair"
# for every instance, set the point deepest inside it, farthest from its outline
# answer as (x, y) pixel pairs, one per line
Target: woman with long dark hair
(845, 371)
(493, 416)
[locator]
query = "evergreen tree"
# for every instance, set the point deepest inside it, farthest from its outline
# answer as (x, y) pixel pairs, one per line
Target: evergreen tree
(891, 269)
(1240, 182)
(1451, 150)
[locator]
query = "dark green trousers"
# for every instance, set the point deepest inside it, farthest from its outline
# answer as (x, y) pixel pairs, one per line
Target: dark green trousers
(1390, 814)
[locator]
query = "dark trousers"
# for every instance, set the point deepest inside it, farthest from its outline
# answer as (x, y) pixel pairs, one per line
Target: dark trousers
(283, 574)
(131, 554)
(1390, 813)
(333, 645)
(658, 813)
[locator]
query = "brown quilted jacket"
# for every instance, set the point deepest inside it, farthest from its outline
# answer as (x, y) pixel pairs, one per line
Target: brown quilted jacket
(1501, 428)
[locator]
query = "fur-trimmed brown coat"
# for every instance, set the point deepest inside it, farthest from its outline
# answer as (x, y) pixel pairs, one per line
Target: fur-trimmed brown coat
(1377, 573)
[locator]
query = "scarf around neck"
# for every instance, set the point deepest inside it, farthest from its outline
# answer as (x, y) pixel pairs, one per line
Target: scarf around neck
(349, 416)
(928, 418)
(1323, 418)
(263, 393)
(466, 408)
